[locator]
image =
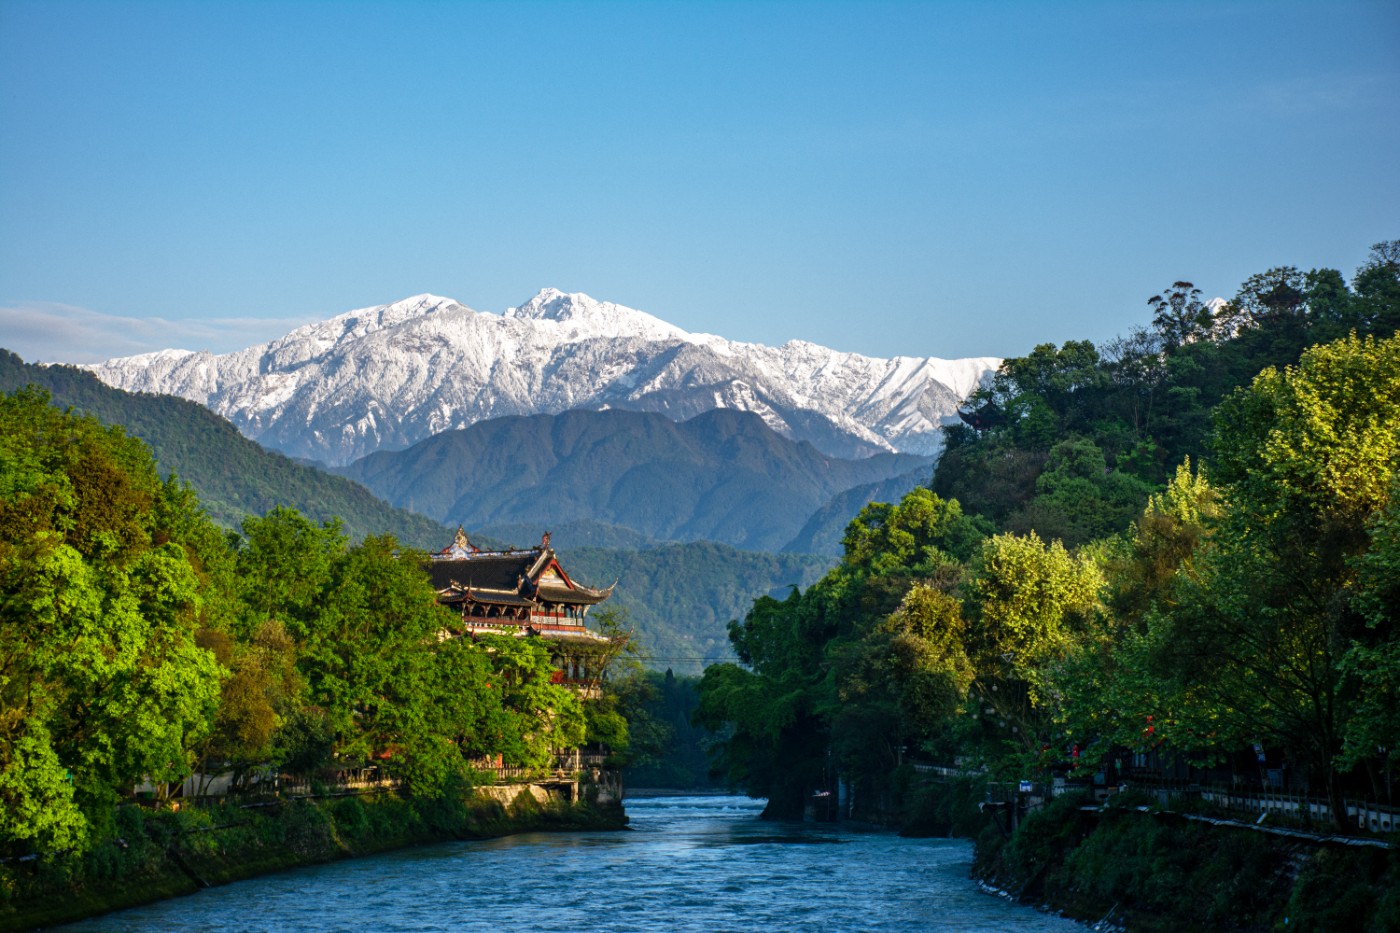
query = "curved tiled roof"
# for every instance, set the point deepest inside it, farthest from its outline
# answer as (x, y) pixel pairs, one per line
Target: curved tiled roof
(507, 578)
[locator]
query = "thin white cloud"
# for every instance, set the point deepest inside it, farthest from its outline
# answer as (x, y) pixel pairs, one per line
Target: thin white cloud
(49, 332)
(1315, 94)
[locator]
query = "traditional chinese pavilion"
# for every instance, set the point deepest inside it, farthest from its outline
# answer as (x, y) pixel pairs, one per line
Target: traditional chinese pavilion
(522, 593)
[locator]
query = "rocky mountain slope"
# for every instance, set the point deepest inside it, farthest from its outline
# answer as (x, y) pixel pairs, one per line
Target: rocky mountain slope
(389, 376)
(722, 476)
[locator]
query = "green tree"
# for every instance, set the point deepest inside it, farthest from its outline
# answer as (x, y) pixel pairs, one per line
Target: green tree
(284, 567)
(537, 715)
(1179, 316)
(847, 673)
(1113, 689)
(1372, 736)
(774, 739)
(101, 680)
(262, 694)
(1029, 603)
(1258, 639)
(1078, 498)
(1377, 288)
(899, 687)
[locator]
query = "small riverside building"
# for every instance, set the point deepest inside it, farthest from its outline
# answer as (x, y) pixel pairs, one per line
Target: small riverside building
(524, 594)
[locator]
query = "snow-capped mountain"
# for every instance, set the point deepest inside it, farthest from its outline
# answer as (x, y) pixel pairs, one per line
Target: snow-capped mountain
(389, 376)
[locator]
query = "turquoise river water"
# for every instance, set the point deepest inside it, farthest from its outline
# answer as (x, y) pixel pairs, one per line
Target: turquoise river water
(687, 864)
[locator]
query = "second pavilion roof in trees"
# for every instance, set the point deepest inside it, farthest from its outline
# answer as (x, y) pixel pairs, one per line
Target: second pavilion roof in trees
(522, 592)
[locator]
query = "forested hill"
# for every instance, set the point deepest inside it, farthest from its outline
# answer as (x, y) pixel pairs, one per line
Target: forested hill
(232, 475)
(1183, 546)
(680, 597)
(1069, 441)
(723, 475)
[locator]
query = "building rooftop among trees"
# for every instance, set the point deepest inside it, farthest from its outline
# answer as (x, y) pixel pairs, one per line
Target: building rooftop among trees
(523, 593)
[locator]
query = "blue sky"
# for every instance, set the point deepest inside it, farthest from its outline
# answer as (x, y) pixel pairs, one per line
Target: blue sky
(947, 179)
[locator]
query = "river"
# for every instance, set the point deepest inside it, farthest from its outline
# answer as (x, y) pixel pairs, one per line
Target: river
(688, 864)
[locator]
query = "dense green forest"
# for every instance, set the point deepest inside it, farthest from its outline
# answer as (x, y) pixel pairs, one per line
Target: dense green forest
(1186, 542)
(139, 640)
(233, 475)
(667, 748)
(678, 598)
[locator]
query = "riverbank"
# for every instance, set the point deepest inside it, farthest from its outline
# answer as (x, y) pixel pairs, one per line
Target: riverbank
(1151, 871)
(153, 856)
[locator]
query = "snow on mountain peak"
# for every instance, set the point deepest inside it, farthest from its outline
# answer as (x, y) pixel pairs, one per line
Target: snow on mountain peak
(584, 317)
(394, 374)
(550, 304)
(425, 303)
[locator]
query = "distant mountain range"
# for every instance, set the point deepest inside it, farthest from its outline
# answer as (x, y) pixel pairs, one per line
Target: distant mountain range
(723, 476)
(387, 377)
(649, 449)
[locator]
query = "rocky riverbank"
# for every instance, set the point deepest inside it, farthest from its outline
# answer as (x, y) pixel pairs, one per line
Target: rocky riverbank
(167, 854)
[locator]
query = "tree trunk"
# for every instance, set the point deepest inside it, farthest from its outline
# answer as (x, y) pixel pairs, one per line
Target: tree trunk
(1337, 803)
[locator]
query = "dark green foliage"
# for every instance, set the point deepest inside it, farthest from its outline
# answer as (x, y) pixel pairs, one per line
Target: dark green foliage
(233, 476)
(669, 747)
(1160, 872)
(1078, 498)
(1145, 401)
(1042, 840)
(943, 807)
(680, 597)
(1348, 890)
(1147, 864)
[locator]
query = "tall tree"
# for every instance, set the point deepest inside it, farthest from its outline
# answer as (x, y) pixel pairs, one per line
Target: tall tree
(101, 679)
(1306, 461)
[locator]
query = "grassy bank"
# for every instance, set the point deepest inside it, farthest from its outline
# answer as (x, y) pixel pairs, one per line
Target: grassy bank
(160, 855)
(1158, 872)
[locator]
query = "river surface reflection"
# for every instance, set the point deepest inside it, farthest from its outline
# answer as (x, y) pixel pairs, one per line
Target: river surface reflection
(688, 863)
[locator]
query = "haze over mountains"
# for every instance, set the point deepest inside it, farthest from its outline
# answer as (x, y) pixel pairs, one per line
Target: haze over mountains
(390, 376)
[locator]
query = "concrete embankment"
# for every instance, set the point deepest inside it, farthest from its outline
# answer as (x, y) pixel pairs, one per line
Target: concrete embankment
(153, 856)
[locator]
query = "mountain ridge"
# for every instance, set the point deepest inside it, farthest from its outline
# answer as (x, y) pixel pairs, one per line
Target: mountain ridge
(722, 476)
(388, 376)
